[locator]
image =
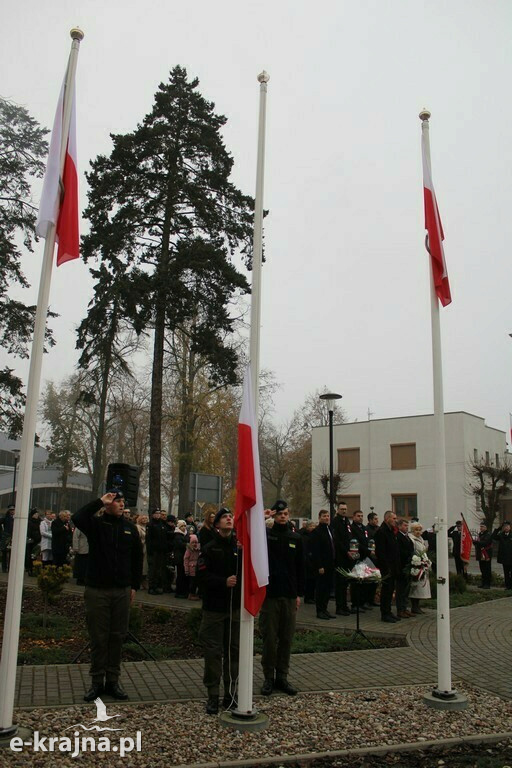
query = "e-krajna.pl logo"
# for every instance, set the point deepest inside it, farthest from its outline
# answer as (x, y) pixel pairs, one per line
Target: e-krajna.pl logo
(79, 743)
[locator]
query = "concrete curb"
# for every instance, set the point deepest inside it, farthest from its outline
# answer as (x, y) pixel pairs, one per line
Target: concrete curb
(480, 738)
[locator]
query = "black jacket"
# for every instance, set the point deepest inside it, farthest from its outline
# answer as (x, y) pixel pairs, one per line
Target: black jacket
(386, 551)
(285, 562)
(359, 532)
(483, 546)
(341, 533)
(220, 559)
(406, 549)
(322, 547)
(115, 549)
(455, 535)
(62, 536)
(33, 530)
(156, 537)
(504, 547)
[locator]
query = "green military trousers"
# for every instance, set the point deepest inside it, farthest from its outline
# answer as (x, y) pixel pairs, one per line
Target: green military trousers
(107, 613)
(277, 626)
(219, 635)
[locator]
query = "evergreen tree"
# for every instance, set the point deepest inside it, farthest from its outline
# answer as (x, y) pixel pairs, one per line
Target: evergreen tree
(162, 203)
(22, 150)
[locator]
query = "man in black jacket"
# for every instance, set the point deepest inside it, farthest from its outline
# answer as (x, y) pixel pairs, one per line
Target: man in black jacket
(157, 549)
(62, 538)
(322, 555)
(483, 553)
(219, 570)
(114, 571)
(388, 561)
(279, 610)
(403, 581)
(358, 591)
(341, 533)
(504, 538)
(455, 534)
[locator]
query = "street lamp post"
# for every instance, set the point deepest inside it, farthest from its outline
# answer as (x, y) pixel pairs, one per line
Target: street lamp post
(330, 397)
(16, 454)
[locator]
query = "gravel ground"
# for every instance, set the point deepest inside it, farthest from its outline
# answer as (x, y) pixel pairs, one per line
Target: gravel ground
(181, 734)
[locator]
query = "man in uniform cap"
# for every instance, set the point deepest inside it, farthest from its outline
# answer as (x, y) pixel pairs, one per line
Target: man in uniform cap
(219, 568)
(279, 610)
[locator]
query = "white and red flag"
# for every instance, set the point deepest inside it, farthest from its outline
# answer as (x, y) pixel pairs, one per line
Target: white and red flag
(249, 513)
(466, 542)
(510, 417)
(435, 231)
(59, 199)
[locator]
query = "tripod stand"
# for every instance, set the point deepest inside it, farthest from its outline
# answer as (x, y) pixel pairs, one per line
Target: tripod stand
(358, 631)
(129, 635)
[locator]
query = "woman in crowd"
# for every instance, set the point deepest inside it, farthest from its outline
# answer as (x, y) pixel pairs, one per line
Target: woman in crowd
(141, 523)
(206, 530)
(179, 549)
(420, 588)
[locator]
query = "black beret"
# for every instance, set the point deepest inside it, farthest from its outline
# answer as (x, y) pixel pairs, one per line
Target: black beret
(279, 506)
(222, 511)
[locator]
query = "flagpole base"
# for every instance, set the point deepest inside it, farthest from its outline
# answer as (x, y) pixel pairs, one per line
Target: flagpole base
(448, 700)
(6, 734)
(244, 721)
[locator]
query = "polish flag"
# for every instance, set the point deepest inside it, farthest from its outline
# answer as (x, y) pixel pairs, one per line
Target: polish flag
(466, 542)
(435, 231)
(510, 417)
(249, 513)
(59, 199)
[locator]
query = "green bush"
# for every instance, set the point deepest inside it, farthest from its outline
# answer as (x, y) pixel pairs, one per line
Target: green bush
(458, 583)
(160, 615)
(32, 626)
(136, 619)
(160, 652)
(44, 655)
(194, 621)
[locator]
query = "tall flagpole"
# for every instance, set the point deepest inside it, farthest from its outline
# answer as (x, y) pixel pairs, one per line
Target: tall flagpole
(16, 570)
(443, 696)
(245, 687)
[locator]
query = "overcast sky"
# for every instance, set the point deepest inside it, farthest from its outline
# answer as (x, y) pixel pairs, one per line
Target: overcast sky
(345, 298)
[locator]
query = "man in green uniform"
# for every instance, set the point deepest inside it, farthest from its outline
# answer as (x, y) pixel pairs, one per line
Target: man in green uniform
(219, 570)
(279, 611)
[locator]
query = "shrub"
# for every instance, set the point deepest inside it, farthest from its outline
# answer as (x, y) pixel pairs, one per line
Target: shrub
(32, 626)
(50, 581)
(136, 619)
(160, 615)
(194, 622)
(458, 583)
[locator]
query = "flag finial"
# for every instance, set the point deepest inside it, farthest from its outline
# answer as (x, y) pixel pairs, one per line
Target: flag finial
(263, 77)
(76, 34)
(424, 114)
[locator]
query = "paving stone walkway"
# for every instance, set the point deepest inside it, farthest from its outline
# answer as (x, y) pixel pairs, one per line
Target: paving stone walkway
(481, 645)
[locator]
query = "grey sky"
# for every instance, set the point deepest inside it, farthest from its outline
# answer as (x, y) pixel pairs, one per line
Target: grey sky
(345, 287)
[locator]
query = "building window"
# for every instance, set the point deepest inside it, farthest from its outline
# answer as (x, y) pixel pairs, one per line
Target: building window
(475, 455)
(405, 505)
(348, 460)
(403, 456)
(497, 459)
(352, 501)
(487, 458)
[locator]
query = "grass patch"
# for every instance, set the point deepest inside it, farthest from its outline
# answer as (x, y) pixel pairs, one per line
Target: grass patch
(31, 626)
(160, 652)
(44, 655)
(458, 600)
(316, 641)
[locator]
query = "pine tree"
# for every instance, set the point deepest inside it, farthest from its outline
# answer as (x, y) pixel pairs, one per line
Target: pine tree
(162, 203)
(22, 149)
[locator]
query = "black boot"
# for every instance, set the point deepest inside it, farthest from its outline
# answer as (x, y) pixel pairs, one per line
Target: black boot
(282, 684)
(212, 705)
(267, 687)
(112, 688)
(94, 691)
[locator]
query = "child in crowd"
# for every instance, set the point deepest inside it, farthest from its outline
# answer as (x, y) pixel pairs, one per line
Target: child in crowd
(190, 562)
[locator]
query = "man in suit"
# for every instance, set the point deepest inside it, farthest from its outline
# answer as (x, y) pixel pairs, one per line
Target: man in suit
(322, 554)
(455, 534)
(341, 533)
(403, 581)
(388, 561)
(504, 538)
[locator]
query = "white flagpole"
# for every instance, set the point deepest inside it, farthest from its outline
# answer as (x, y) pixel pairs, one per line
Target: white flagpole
(245, 687)
(444, 692)
(16, 570)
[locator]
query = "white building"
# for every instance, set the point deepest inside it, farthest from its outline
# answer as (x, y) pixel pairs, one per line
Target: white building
(389, 464)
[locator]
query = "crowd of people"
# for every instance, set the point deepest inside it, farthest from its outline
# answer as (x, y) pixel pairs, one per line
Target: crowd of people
(115, 553)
